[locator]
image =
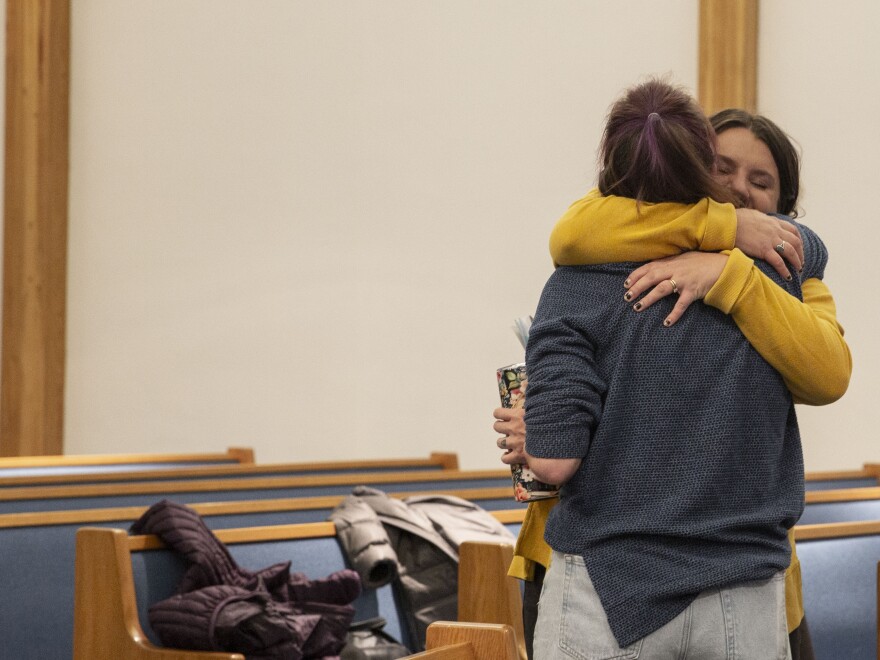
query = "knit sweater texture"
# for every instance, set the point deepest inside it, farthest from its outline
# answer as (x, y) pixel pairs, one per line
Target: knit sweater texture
(692, 470)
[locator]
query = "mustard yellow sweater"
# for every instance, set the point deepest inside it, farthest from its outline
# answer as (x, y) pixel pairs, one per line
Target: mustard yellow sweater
(802, 340)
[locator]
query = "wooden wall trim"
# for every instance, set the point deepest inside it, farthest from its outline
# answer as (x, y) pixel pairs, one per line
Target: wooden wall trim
(728, 59)
(35, 227)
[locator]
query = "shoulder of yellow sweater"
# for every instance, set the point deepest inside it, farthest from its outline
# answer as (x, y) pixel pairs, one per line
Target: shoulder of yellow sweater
(602, 229)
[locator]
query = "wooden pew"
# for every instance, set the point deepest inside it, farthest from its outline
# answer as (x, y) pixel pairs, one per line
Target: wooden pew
(481, 641)
(846, 505)
(34, 466)
(436, 461)
(87, 496)
(273, 511)
(113, 568)
(866, 477)
(38, 551)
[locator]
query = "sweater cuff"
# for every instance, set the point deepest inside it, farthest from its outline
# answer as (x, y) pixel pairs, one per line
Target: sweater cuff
(720, 231)
(727, 290)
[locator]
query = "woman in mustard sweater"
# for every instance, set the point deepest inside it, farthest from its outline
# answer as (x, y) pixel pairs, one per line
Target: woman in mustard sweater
(802, 340)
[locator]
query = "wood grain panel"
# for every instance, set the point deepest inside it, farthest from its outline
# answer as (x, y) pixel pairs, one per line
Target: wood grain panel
(728, 67)
(35, 227)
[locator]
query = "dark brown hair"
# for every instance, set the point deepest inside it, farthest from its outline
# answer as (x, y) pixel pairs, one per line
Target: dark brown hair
(781, 147)
(658, 146)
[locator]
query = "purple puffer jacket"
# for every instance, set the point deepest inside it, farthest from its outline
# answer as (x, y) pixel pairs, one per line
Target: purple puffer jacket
(268, 614)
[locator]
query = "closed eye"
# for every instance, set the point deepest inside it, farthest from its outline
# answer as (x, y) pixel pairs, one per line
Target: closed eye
(724, 165)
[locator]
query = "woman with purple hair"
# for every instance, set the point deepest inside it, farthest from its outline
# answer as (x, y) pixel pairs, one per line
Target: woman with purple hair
(680, 479)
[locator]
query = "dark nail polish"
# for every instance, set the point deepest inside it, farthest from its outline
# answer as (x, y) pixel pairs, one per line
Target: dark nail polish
(627, 296)
(667, 323)
(788, 278)
(626, 283)
(637, 306)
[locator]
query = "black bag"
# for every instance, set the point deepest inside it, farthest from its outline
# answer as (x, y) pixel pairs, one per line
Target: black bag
(366, 640)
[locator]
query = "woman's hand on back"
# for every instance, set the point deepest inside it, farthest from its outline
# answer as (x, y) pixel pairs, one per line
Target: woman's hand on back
(760, 236)
(690, 275)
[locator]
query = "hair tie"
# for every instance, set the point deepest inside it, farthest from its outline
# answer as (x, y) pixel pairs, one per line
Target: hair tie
(653, 117)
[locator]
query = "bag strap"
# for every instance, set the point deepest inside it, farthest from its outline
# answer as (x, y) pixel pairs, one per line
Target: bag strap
(374, 623)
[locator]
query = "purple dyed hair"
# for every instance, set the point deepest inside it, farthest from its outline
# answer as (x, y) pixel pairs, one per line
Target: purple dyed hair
(658, 146)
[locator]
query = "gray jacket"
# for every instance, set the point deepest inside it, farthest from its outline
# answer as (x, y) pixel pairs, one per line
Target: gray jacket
(413, 544)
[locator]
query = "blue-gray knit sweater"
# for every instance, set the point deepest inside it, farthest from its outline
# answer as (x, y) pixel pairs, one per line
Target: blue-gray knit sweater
(692, 468)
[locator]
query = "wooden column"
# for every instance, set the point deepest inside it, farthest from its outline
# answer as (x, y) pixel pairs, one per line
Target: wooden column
(35, 227)
(728, 75)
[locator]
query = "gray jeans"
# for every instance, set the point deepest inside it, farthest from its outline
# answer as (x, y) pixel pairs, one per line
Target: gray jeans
(742, 622)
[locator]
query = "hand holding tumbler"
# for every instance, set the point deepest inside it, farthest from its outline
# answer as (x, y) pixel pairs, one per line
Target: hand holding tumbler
(512, 383)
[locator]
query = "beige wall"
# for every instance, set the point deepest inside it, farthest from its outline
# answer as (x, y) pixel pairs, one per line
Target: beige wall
(820, 79)
(308, 226)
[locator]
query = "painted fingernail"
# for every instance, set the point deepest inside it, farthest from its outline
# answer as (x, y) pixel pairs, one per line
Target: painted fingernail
(667, 323)
(637, 306)
(627, 296)
(788, 278)
(626, 283)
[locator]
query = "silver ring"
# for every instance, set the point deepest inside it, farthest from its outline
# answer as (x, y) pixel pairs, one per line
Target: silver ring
(780, 248)
(502, 443)
(674, 285)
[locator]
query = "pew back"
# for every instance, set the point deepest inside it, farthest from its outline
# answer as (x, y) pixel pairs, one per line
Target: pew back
(167, 472)
(847, 505)
(838, 479)
(840, 585)
(35, 466)
(52, 498)
(118, 576)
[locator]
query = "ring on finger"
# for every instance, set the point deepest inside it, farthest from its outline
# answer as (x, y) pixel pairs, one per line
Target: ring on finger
(780, 248)
(674, 285)
(502, 443)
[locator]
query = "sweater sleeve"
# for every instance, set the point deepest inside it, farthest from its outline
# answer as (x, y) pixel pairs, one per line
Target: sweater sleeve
(597, 229)
(565, 389)
(802, 340)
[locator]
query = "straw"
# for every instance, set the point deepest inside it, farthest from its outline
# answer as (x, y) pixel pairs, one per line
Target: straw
(521, 328)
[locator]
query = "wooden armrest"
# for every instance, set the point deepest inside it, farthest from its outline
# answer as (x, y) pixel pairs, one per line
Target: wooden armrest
(106, 621)
(453, 640)
(486, 594)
